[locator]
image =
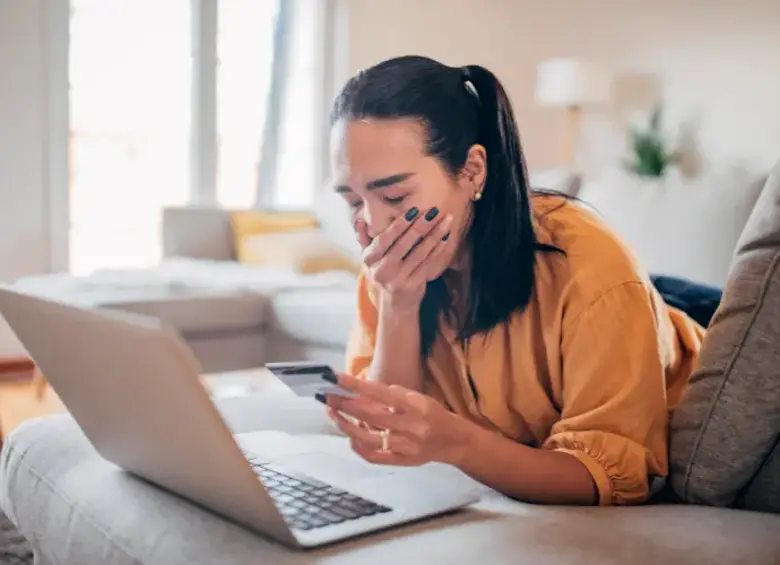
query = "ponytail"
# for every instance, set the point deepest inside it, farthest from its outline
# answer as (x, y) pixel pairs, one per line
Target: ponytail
(502, 239)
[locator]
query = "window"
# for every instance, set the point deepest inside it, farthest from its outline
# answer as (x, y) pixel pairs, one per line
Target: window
(246, 49)
(134, 111)
(130, 72)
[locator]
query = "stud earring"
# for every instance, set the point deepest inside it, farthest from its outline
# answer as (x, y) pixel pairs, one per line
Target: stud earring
(477, 195)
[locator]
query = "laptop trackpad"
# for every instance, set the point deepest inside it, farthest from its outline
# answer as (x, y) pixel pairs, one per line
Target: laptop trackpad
(334, 469)
(321, 457)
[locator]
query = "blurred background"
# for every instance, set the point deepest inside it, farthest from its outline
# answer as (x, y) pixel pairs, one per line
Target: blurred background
(113, 109)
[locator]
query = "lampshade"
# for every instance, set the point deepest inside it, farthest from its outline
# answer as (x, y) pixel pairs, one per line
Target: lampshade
(571, 82)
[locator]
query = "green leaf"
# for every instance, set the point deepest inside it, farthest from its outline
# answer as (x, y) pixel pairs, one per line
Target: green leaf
(650, 154)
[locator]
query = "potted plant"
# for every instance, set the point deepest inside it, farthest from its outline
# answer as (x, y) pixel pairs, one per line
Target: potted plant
(651, 153)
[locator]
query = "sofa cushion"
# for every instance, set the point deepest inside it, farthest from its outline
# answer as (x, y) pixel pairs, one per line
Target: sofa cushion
(728, 421)
(316, 316)
(678, 227)
(301, 251)
(203, 312)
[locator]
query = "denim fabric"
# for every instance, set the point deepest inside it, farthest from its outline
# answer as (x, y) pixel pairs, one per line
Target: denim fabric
(699, 301)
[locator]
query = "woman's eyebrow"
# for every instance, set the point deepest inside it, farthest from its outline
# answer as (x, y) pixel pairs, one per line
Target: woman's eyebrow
(383, 182)
(388, 181)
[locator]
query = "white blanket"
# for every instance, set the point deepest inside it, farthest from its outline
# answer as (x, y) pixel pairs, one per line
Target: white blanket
(180, 277)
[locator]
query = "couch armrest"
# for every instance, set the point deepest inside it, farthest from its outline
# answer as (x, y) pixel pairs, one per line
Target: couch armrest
(197, 233)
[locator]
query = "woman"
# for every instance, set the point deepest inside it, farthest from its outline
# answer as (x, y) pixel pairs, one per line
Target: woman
(505, 332)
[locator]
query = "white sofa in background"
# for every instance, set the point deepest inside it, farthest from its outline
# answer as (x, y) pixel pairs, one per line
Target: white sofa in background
(680, 227)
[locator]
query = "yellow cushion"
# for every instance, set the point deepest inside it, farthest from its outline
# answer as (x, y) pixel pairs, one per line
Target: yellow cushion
(254, 222)
(289, 240)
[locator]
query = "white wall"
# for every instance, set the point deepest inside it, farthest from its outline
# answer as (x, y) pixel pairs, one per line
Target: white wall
(23, 212)
(33, 161)
(715, 62)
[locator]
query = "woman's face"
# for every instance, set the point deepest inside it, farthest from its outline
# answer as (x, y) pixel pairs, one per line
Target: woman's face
(381, 170)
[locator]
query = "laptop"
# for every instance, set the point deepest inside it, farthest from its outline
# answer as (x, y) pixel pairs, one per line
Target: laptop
(133, 387)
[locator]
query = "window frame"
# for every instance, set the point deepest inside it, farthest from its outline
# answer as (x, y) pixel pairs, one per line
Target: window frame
(332, 31)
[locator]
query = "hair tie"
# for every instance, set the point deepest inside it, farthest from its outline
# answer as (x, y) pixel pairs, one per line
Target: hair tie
(465, 75)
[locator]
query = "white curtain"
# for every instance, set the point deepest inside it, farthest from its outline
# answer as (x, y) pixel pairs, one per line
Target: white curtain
(280, 77)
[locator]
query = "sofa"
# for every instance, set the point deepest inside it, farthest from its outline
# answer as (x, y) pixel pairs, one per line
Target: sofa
(233, 316)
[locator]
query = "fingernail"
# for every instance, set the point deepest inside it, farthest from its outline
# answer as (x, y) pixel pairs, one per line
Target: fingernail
(320, 397)
(432, 213)
(411, 214)
(446, 236)
(330, 377)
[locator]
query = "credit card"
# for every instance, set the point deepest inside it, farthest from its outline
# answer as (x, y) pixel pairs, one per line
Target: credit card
(305, 378)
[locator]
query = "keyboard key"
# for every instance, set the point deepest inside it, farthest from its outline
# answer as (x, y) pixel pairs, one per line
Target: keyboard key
(331, 517)
(317, 522)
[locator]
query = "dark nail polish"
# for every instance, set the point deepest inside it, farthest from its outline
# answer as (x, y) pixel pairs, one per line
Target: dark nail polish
(446, 236)
(411, 214)
(320, 397)
(432, 213)
(330, 377)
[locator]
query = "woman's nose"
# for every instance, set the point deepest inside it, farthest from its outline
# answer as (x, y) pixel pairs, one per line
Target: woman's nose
(377, 220)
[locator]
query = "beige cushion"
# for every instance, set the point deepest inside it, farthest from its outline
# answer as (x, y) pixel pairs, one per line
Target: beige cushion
(678, 227)
(305, 251)
(728, 422)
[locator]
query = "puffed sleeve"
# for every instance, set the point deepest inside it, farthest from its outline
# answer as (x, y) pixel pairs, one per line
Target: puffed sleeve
(614, 410)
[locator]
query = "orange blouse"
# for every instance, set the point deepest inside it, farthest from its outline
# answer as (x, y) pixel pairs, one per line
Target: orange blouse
(591, 368)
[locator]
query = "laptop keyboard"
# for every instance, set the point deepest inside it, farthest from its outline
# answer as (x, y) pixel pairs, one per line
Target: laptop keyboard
(307, 504)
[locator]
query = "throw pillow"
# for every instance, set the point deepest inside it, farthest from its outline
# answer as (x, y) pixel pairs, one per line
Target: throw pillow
(727, 425)
(253, 222)
(303, 251)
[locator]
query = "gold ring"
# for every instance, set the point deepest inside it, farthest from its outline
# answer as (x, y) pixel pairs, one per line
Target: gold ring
(385, 435)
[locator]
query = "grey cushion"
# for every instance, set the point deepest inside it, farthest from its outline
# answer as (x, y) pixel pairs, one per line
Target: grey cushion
(77, 509)
(728, 422)
(321, 316)
(198, 232)
(763, 492)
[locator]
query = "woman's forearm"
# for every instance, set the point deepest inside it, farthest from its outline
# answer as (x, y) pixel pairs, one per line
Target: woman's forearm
(397, 353)
(525, 473)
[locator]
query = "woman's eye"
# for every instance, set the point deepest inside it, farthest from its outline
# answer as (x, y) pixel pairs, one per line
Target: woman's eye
(355, 204)
(394, 200)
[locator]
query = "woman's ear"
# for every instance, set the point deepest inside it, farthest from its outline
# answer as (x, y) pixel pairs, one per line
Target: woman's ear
(474, 172)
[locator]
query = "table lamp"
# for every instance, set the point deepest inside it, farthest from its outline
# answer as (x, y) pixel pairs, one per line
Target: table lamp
(571, 83)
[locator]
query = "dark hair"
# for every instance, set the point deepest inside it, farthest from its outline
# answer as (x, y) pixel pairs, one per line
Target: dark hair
(460, 107)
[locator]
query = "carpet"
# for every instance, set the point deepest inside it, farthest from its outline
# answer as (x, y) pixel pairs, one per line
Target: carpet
(14, 549)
